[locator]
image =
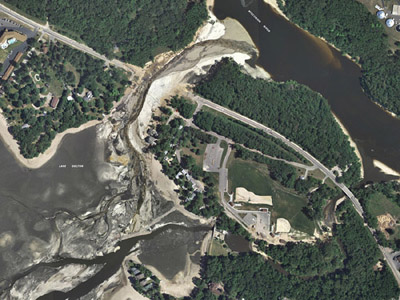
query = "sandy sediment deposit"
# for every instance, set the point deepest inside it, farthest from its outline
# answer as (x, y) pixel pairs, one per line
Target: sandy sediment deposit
(282, 225)
(352, 144)
(193, 62)
(384, 168)
(243, 195)
(181, 285)
(213, 30)
(37, 162)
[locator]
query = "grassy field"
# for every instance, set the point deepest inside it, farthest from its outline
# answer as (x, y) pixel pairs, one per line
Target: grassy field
(249, 175)
(217, 249)
(70, 67)
(199, 158)
(379, 205)
(286, 203)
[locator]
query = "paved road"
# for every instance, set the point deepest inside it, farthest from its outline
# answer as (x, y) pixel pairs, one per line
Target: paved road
(204, 102)
(55, 35)
(289, 143)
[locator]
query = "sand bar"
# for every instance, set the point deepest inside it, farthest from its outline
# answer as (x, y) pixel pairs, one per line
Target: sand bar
(384, 168)
(352, 143)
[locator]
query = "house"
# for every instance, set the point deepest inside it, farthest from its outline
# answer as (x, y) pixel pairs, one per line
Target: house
(70, 98)
(148, 287)
(18, 56)
(10, 37)
(8, 73)
(88, 96)
(151, 140)
(139, 277)
(54, 102)
(10, 69)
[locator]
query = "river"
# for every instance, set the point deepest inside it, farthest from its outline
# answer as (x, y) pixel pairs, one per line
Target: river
(290, 53)
(164, 248)
(29, 197)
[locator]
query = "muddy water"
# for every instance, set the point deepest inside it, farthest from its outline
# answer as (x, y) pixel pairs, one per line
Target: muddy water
(165, 249)
(237, 243)
(288, 52)
(28, 197)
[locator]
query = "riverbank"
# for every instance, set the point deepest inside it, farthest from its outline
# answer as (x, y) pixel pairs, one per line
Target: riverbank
(275, 6)
(35, 163)
(352, 144)
(385, 169)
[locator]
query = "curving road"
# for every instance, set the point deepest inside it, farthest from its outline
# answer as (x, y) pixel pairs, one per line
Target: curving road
(201, 101)
(289, 143)
(204, 102)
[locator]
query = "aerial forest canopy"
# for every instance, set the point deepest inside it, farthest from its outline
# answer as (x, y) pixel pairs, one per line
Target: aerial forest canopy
(349, 271)
(292, 109)
(351, 27)
(132, 30)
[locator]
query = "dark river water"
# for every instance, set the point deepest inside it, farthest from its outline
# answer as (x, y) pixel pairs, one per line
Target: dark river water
(289, 53)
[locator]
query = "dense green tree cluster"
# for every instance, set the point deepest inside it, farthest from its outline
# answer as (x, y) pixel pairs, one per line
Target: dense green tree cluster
(292, 109)
(352, 28)
(230, 225)
(23, 101)
(135, 30)
(242, 134)
(185, 107)
(249, 276)
(173, 136)
(318, 199)
(305, 259)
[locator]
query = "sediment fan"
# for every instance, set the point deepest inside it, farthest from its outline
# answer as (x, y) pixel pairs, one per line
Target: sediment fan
(246, 3)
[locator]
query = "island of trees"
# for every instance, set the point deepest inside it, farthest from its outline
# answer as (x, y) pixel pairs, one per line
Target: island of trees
(292, 109)
(132, 30)
(353, 29)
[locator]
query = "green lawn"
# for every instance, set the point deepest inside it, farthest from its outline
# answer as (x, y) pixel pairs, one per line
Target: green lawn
(378, 204)
(199, 158)
(286, 203)
(55, 85)
(251, 176)
(217, 249)
(70, 67)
